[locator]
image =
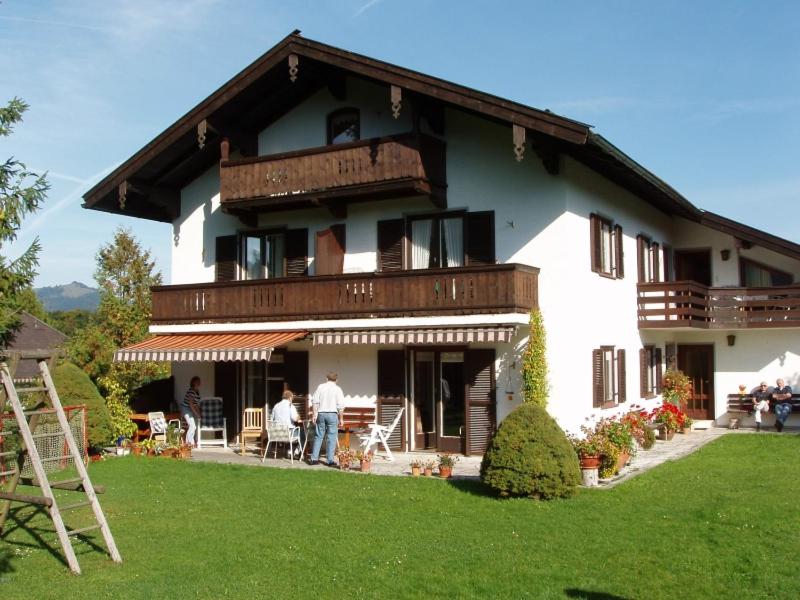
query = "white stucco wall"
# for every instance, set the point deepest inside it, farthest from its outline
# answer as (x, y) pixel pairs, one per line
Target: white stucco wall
(540, 220)
(183, 373)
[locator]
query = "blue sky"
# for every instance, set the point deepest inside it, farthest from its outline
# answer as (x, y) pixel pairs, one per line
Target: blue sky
(705, 94)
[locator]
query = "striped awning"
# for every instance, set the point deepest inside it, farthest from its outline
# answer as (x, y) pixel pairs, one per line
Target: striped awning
(440, 335)
(207, 347)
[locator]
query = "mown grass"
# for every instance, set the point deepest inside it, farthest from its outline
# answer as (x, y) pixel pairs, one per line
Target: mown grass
(722, 522)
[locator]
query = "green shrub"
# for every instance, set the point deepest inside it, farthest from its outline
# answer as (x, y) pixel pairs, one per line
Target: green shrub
(534, 362)
(649, 438)
(531, 456)
(74, 387)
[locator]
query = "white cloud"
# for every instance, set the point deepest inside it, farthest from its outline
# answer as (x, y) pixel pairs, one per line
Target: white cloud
(366, 7)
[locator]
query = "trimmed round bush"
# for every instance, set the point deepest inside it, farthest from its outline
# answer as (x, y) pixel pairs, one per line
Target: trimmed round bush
(74, 388)
(531, 456)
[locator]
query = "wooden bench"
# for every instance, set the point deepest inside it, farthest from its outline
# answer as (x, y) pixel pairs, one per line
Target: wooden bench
(741, 404)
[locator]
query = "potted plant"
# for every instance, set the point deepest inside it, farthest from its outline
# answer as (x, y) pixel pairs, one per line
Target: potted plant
(137, 449)
(587, 448)
(668, 417)
(416, 467)
(365, 458)
(686, 426)
(345, 456)
(427, 467)
(148, 447)
(446, 464)
(185, 451)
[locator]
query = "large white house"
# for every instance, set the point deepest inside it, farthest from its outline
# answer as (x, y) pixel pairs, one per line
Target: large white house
(334, 212)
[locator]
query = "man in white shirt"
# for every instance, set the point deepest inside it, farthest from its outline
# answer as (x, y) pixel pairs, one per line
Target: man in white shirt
(285, 412)
(327, 407)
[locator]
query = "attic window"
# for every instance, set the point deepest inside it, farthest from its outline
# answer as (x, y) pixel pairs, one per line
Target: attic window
(344, 125)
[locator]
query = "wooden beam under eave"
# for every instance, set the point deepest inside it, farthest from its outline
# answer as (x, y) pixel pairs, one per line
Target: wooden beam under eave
(248, 218)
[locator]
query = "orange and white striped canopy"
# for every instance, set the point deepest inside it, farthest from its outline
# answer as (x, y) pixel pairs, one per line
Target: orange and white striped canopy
(207, 346)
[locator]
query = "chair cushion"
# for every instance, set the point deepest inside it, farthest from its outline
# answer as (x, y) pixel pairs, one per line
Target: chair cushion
(212, 413)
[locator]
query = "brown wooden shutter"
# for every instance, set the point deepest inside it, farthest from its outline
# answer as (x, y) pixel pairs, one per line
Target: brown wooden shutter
(594, 242)
(295, 378)
(659, 372)
(226, 258)
(643, 366)
(392, 393)
(597, 378)
(226, 387)
(391, 244)
(621, 377)
(641, 256)
(329, 251)
(296, 252)
(619, 255)
(656, 275)
(480, 399)
(667, 264)
(480, 238)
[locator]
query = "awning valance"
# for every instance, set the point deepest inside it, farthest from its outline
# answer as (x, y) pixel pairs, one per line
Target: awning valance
(440, 335)
(207, 347)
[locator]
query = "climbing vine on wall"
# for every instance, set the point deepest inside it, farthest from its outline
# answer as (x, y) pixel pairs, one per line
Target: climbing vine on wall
(534, 363)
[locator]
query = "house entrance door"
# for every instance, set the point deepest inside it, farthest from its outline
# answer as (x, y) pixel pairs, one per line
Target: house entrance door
(439, 400)
(697, 362)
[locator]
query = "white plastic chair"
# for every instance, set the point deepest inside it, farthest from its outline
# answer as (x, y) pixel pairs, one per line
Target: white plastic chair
(213, 421)
(381, 433)
(281, 433)
(158, 426)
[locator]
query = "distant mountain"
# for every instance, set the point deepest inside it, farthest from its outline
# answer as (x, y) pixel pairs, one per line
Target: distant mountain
(68, 297)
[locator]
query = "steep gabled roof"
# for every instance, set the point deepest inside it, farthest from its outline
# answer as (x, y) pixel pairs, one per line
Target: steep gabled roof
(156, 173)
(750, 234)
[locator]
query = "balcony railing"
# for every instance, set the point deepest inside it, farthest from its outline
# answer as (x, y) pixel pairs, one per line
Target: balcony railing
(396, 165)
(464, 290)
(689, 304)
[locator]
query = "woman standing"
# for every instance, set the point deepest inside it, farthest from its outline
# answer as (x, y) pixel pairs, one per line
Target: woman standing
(190, 409)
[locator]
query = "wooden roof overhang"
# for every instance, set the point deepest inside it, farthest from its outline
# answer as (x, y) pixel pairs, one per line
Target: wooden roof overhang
(148, 184)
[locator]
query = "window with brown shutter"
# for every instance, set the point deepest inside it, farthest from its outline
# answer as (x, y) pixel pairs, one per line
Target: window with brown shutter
(226, 258)
(606, 243)
(605, 376)
(296, 252)
(649, 265)
(392, 393)
(480, 238)
(621, 374)
(391, 244)
(648, 376)
(481, 403)
(659, 372)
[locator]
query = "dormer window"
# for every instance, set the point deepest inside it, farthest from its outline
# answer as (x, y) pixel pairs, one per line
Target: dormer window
(344, 125)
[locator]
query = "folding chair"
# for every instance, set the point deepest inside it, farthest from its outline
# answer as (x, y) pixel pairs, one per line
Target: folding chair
(158, 426)
(253, 419)
(278, 433)
(212, 420)
(381, 433)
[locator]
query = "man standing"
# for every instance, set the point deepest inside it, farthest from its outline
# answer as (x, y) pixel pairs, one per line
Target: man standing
(327, 407)
(782, 394)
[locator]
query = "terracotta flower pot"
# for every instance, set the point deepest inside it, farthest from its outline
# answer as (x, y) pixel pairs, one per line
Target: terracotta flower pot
(137, 450)
(666, 435)
(366, 465)
(415, 471)
(589, 462)
(428, 471)
(445, 472)
(622, 460)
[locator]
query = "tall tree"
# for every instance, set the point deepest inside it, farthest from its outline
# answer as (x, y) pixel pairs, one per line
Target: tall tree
(125, 271)
(21, 193)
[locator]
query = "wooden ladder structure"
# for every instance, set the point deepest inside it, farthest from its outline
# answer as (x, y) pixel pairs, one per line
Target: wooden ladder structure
(28, 448)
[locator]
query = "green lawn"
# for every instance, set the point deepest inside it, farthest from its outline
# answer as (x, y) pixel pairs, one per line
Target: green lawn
(723, 522)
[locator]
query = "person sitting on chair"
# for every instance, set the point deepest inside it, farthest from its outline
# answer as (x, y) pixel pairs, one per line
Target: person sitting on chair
(782, 394)
(285, 412)
(761, 396)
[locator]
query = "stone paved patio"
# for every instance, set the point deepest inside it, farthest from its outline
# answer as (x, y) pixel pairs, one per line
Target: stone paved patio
(468, 467)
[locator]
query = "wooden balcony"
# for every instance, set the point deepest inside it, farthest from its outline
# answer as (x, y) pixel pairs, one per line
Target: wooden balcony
(409, 164)
(689, 304)
(465, 290)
